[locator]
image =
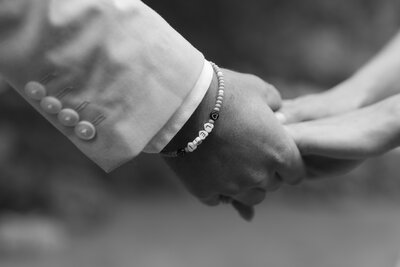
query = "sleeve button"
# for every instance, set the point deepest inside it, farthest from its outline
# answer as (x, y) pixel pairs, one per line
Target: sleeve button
(85, 130)
(35, 90)
(51, 105)
(68, 117)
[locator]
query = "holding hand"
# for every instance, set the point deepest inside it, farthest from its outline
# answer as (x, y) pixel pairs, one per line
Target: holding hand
(248, 153)
(343, 126)
(377, 80)
(337, 144)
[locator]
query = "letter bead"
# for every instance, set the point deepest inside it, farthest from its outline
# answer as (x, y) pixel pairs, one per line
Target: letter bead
(214, 116)
(203, 135)
(208, 127)
(191, 147)
(198, 140)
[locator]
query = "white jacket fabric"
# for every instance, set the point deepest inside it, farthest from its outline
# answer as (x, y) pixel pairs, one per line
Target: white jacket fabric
(117, 63)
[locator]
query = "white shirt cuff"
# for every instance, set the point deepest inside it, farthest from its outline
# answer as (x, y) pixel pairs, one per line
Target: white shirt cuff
(182, 115)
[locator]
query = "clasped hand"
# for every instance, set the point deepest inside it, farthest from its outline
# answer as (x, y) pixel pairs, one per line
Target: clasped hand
(254, 150)
(249, 152)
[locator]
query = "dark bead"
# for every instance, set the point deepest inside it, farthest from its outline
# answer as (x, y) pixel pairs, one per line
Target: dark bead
(214, 115)
(181, 152)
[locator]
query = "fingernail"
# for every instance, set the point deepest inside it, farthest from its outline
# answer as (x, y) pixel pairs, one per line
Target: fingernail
(280, 117)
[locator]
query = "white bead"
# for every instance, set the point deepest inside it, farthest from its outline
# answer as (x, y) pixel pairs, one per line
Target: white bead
(219, 73)
(217, 109)
(191, 147)
(218, 105)
(220, 98)
(203, 135)
(221, 92)
(198, 140)
(211, 121)
(208, 127)
(219, 102)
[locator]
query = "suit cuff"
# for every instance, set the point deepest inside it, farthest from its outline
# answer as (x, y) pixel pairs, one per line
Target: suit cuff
(182, 115)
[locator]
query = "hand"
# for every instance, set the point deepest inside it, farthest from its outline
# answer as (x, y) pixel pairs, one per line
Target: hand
(338, 144)
(248, 152)
(375, 81)
(343, 98)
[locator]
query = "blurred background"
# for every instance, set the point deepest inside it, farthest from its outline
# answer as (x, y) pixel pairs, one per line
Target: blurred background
(58, 209)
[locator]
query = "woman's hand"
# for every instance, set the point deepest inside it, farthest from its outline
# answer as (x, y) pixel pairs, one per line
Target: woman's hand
(343, 98)
(337, 144)
(377, 80)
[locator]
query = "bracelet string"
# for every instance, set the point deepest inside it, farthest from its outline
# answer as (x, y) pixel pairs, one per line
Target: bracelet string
(209, 124)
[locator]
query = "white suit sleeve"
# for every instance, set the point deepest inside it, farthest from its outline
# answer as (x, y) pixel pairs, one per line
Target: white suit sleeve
(111, 75)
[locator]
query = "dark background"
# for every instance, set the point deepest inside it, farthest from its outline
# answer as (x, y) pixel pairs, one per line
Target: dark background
(51, 195)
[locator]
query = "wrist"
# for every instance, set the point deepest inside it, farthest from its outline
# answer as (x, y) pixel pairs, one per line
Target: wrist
(355, 92)
(376, 82)
(196, 120)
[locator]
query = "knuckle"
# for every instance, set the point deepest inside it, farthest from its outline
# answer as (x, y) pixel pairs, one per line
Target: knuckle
(281, 154)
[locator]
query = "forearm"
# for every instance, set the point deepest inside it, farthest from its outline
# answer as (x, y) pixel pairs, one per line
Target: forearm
(379, 78)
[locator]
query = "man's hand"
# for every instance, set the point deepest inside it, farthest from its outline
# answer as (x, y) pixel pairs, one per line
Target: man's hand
(248, 153)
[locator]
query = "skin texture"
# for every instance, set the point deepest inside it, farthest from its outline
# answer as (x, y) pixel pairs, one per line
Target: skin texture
(353, 121)
(248, 153)
(335, 145)
(340, 99)
(359, 134)
(374, 82)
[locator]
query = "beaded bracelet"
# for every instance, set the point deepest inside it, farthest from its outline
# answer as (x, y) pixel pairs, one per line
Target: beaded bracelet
(209, 125)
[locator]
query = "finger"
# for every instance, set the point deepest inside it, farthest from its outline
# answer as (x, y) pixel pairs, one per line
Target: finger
(210, 201)
(281, 117)
(246, 212)
(251, 197)
(288, 113)
(335, 141)
(273, 97)
(305, 108)
(356, 135)
(319, 166)
(293, 111)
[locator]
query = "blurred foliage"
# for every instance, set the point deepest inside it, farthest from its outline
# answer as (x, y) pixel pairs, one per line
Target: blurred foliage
(301, 46)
